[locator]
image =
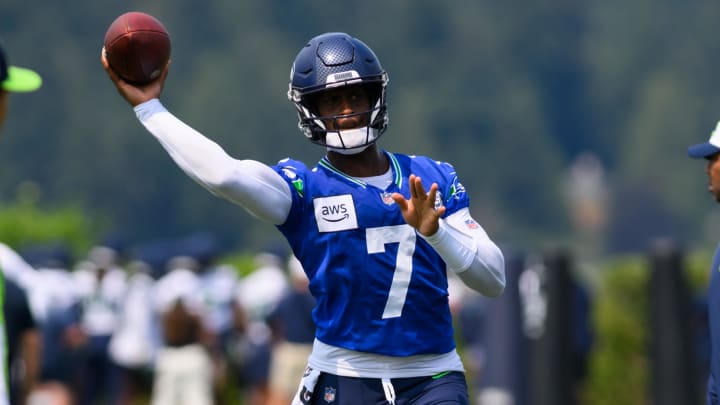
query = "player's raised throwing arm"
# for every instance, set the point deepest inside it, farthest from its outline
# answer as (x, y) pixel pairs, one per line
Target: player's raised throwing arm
(248, 183)
(251, 184)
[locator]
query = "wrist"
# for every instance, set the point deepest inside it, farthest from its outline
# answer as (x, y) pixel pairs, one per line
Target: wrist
(430, 231)
(434, 236)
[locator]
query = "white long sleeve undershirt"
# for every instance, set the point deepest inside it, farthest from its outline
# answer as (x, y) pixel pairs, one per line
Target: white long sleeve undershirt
(468, 251)
(263, 193)
(248, 183)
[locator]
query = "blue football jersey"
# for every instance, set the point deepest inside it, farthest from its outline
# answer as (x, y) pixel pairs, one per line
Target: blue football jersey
(380, 288)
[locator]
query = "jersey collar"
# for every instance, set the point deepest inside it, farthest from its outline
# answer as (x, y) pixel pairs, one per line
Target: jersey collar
(395, 165)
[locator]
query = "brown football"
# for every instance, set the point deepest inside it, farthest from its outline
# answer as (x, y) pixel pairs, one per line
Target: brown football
(137, 47)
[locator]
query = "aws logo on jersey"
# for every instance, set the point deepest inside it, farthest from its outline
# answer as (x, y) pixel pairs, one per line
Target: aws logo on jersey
(336, 213)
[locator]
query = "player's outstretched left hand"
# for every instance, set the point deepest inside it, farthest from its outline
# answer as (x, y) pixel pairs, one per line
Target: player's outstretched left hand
(419, 211)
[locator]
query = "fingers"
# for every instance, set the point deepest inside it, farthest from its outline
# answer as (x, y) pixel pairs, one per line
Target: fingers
(400, 201)
(103, 58)
(419, 198)
(431, 194)
(163, 76)
(165, 71)
(106, 65)
(411, 186)
(417, 190)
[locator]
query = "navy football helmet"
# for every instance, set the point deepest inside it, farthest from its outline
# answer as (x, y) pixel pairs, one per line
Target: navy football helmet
(330, 61)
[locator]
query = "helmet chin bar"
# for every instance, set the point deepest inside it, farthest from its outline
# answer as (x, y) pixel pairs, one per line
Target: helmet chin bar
(348, 152)
(350, 141)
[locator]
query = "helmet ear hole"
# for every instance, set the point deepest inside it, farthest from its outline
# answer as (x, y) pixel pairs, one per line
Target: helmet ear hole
(310, 101)
(318, 136)
(374, 91)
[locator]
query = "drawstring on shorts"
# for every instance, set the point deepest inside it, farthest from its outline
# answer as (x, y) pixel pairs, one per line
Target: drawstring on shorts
(389, 390)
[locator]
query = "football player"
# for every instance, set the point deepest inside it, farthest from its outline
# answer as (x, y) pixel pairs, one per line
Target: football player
(18, 328)
(375, 231)
(710, 151)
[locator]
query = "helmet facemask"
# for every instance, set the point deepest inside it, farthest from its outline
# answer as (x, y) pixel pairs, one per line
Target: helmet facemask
(326, 130)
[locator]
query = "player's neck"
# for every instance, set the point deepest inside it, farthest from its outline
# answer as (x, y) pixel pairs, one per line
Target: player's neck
(370, 162)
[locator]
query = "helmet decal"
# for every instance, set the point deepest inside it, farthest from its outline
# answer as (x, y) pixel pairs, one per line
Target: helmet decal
(343, 78)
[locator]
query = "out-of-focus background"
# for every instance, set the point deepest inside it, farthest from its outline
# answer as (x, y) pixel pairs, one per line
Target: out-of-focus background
(567, 122)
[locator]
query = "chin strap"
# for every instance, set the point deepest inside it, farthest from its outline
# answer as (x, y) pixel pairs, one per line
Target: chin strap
(352, 151)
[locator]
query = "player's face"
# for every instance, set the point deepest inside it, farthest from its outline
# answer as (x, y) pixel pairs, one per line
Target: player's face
(713, 171)
(350, 102)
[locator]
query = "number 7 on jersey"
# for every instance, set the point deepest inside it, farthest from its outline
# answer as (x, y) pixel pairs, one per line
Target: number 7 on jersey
(405, 236)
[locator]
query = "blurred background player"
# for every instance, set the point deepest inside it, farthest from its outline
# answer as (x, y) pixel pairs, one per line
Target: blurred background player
(101, 285)
(18, 330)
(56, 304)
(218, 283)
(293, 331)
(135, 339)
(14, 79)
(710, 151)
(183, 367)
(257, 296)
(24, 341)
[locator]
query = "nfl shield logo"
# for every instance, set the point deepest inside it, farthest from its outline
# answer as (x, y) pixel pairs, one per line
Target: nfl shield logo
(387, 198)
(329, 394)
